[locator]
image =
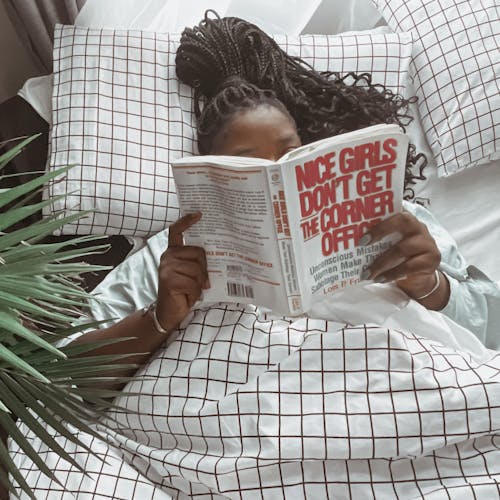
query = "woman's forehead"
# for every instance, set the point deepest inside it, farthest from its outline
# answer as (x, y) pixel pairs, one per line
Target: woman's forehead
(261, 132)
(263, 119)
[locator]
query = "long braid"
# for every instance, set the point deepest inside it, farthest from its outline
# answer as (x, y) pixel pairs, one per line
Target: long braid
(322, 104)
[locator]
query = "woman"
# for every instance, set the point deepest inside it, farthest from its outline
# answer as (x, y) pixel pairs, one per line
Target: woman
(237, 402)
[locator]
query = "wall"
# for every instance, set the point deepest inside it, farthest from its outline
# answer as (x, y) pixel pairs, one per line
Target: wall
(15, 61)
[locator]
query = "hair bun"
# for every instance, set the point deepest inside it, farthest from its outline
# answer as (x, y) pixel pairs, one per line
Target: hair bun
(231, 81)
(211, 55)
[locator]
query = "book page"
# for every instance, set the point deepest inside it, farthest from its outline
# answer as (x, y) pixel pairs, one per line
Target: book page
(236, 230)
(336, 193)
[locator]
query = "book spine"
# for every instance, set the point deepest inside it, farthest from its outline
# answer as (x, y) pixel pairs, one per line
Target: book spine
(289, 269)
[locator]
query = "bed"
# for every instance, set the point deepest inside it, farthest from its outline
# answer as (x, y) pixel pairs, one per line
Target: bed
(241, 404)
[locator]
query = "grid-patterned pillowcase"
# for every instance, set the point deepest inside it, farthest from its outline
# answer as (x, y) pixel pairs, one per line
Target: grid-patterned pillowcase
(121, 116)
(457, 66)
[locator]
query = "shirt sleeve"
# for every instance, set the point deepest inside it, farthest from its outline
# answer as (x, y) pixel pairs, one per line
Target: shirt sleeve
(474, 299)
(132, 285)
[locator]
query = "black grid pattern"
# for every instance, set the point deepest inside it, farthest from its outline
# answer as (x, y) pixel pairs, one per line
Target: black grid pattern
(120, 115)
(245, 406)
(457, 70)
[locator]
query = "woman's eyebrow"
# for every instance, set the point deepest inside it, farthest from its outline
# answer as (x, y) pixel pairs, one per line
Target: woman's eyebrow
(288, 139)
(284, 140)
(243, 151)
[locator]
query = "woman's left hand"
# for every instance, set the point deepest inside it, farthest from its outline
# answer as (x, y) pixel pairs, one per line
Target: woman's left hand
(412, 261)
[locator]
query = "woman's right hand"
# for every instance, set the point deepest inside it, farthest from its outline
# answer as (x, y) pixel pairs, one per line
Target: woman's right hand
(182, 275)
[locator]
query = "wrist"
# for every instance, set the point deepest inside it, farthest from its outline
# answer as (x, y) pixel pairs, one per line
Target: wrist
(160, 326)
(417, 285)
(430, 290)
(434, 289)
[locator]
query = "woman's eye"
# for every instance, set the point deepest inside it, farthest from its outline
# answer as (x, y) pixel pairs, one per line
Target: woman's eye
(287, 150)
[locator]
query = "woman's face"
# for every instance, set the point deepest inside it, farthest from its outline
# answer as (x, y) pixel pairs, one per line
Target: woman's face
(261, 132)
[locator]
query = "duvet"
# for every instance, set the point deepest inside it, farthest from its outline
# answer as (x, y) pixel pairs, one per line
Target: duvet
(241, 404)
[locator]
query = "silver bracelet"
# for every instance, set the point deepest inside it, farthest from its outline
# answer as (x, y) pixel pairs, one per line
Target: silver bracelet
(434, 288)
(151, 310)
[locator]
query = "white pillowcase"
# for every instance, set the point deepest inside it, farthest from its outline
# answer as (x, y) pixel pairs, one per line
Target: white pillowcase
(173, 16)
(339, 16)
(457, 65)
(121, 116)
(280, 16)
(37, 91)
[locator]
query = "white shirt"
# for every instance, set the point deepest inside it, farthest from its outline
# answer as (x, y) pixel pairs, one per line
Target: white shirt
(474, 299)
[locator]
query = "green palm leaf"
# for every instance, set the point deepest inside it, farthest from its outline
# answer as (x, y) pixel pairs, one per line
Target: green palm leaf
(24, 348)
(15, 327)
(18, 437)
(11, 194)
(17, 214)
(35, 232)
(12, 469)
(15, 150)
(42, 385)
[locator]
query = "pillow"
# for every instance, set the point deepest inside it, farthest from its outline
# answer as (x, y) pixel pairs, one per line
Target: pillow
(335, 16)
(280, 16)
(456, 64)
(120, 115)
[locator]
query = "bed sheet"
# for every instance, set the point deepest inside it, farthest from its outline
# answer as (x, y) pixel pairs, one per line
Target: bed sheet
(242, 405)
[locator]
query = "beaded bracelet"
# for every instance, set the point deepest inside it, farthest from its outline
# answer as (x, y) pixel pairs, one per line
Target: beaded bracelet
(434, 288)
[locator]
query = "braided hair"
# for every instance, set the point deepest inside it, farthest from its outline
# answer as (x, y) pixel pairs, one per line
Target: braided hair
(322, 104)
(233, 94)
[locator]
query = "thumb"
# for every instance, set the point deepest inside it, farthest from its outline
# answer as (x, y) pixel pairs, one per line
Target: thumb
(176, 229)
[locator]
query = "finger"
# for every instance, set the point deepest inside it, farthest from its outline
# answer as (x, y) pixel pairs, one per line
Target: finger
(183, 284)
(179, 226)
(176, 256)
(401, 251)
(183, 253)
(170, 276)
(193, 295)
(403, 223)
(418, 264)
(204, 268)
(192, 299)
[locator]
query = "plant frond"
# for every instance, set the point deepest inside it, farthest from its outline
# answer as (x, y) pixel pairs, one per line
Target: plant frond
(10, 194)
(9, 155)
(51, 390)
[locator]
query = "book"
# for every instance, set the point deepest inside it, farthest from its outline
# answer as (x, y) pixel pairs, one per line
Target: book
(284, 234)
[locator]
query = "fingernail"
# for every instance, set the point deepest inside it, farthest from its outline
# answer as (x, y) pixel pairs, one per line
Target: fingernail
(380, 279)
(365, 274)
(365, 239)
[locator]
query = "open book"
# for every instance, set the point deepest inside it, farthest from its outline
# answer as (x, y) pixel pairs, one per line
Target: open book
(284, 234)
